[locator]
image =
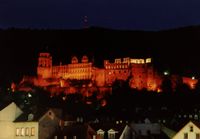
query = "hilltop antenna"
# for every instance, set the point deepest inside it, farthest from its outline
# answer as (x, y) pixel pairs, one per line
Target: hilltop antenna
(47, 48)
(85, 21)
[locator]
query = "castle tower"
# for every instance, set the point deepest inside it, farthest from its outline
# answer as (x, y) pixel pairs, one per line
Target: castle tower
(74, 60)
(84, 59)
(44, 68)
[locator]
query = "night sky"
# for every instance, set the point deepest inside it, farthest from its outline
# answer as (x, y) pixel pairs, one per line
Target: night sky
(116, 14)
(18, 51)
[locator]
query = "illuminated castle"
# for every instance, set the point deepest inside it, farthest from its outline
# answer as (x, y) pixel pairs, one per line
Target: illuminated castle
(140, 72)
(75, 70)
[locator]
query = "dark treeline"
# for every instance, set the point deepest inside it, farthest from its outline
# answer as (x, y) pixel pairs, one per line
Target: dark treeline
(175, 49)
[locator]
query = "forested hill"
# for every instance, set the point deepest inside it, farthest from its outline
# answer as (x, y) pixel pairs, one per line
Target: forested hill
(175, 49)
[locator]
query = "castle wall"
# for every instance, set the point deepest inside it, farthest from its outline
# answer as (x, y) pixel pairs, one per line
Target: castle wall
(116, 71)
(190, 82)
(100, 77)
(80, 71)
(140, 72)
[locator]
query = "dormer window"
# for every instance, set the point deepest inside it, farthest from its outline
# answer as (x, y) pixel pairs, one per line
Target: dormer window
(100, 133)
(111, 134)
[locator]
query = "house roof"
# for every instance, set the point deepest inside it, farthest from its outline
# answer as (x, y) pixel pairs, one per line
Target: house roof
(118, 128)
(37, 115)
(4, 105)
(197, 124)
(79, 130)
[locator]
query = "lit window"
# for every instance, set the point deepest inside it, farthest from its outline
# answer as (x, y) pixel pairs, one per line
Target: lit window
(111, 134)
(23, 132)
(18, 130)
(100, 133)
(27, 131)
(33, 131)
(196, 117)
(133, 61)
(94, 137)
(148, 60)
(141, 61)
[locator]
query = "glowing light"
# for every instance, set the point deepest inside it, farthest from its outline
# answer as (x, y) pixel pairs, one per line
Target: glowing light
(148, 60)
(29, 95)
(158, 90)
(166, 73)
(64, 98)
(103, 103)
(193, 78)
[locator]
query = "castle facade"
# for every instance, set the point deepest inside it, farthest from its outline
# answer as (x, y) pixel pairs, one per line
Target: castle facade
(140, 72)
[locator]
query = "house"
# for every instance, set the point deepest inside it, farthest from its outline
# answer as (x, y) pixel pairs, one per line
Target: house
(76, 131)
(141, 130)
(190, 131)
(8, 113)
(38, 125)
(108, 130)
(72, 127)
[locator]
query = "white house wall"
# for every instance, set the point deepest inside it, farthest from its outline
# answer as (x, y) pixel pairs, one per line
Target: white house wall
(6, 130)
(28, 125)
(186, 129)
